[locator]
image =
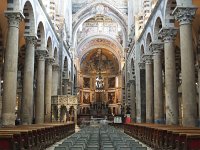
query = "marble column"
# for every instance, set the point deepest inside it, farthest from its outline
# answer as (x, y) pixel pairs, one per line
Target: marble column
(39, 103)
(10, 68)
(27, 101)
(65, 88)
(198, 70)
(185, 16)
(141, 103)
(133, 100)
(171, 91)
(157, 49)
(149, 87)
(1, 68)
(75, 115)
(55, 79)
(48, 88)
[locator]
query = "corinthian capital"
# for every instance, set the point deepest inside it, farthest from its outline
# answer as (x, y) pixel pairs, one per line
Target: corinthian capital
(42, 54)
(141, 65)
(148, 58)
(156, 47)
(14, 18)
(31, 39)
(50, 60)
(168, 33)
(184, 14)
(55, 67)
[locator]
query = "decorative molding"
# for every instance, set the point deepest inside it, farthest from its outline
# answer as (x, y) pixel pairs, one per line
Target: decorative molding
(50, 60)
(141, 65)
(184, 14)
(14, 18)
(148, 58)
(56, 67)
(156, 47)
(31, 39)
(168, 34)
(42, 54)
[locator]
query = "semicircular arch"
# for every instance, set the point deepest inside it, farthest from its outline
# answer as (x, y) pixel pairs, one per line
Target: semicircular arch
(91, 10)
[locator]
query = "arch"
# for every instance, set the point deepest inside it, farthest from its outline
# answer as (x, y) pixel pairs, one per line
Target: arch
(169, 19)
(148, 41)
(106, 42)
(56, 55)
(41, 36)
(49, 46)
(105, 9)
(157, 27)
(101, 36)
(29, 20)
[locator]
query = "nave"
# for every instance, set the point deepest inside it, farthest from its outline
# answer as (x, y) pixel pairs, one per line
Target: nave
(99, 137)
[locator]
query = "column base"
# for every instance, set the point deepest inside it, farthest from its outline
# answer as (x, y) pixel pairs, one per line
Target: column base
(26, 119)
(138, 120)
(8, 119)
(47, 118)
(198, 122)
(39, 120)
(159, 121)
(190, 122)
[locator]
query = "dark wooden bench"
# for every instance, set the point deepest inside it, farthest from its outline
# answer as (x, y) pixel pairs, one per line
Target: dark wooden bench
(160, 136)
(33, 137)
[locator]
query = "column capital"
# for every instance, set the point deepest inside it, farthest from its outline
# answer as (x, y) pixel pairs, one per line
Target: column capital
(148, 58)
(168, 33)
(31, 39)
(156, 48)
(65, 81)
(14, 18)
(42, 54)
(184, 14)
(55, 67)
(50, 60)
(141, 65)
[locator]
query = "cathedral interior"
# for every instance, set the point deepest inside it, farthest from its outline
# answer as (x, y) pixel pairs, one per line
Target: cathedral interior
(68, 63)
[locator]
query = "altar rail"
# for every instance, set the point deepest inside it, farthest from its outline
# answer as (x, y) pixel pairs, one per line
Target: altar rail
(165, 136)
(34, 137)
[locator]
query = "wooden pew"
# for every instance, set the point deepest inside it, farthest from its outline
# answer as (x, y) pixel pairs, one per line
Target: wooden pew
(165, 136)
(34, 137)
(10, 141)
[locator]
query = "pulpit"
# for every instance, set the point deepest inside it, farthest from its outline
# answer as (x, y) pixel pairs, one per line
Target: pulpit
(64, 107)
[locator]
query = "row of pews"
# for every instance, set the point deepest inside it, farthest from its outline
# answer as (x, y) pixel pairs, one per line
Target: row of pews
(33, 137)
(167, 137)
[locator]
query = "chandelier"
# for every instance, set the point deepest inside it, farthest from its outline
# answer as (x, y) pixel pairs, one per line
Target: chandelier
(99, 80)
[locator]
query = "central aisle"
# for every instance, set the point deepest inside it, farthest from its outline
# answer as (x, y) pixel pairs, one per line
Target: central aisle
(99, 137)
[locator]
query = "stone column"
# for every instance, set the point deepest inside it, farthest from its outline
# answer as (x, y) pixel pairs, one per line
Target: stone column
(1, 67)
(48, 88)
(141, 103)
(149, 88)
(171, 91)
(59, 113)
(185, 16)
(157, 49)
(198, 70)
(133, 100)
(27, 101)
(65, 88)
(75, 115)
(55, 79)
(10, 69)
(39, 103)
